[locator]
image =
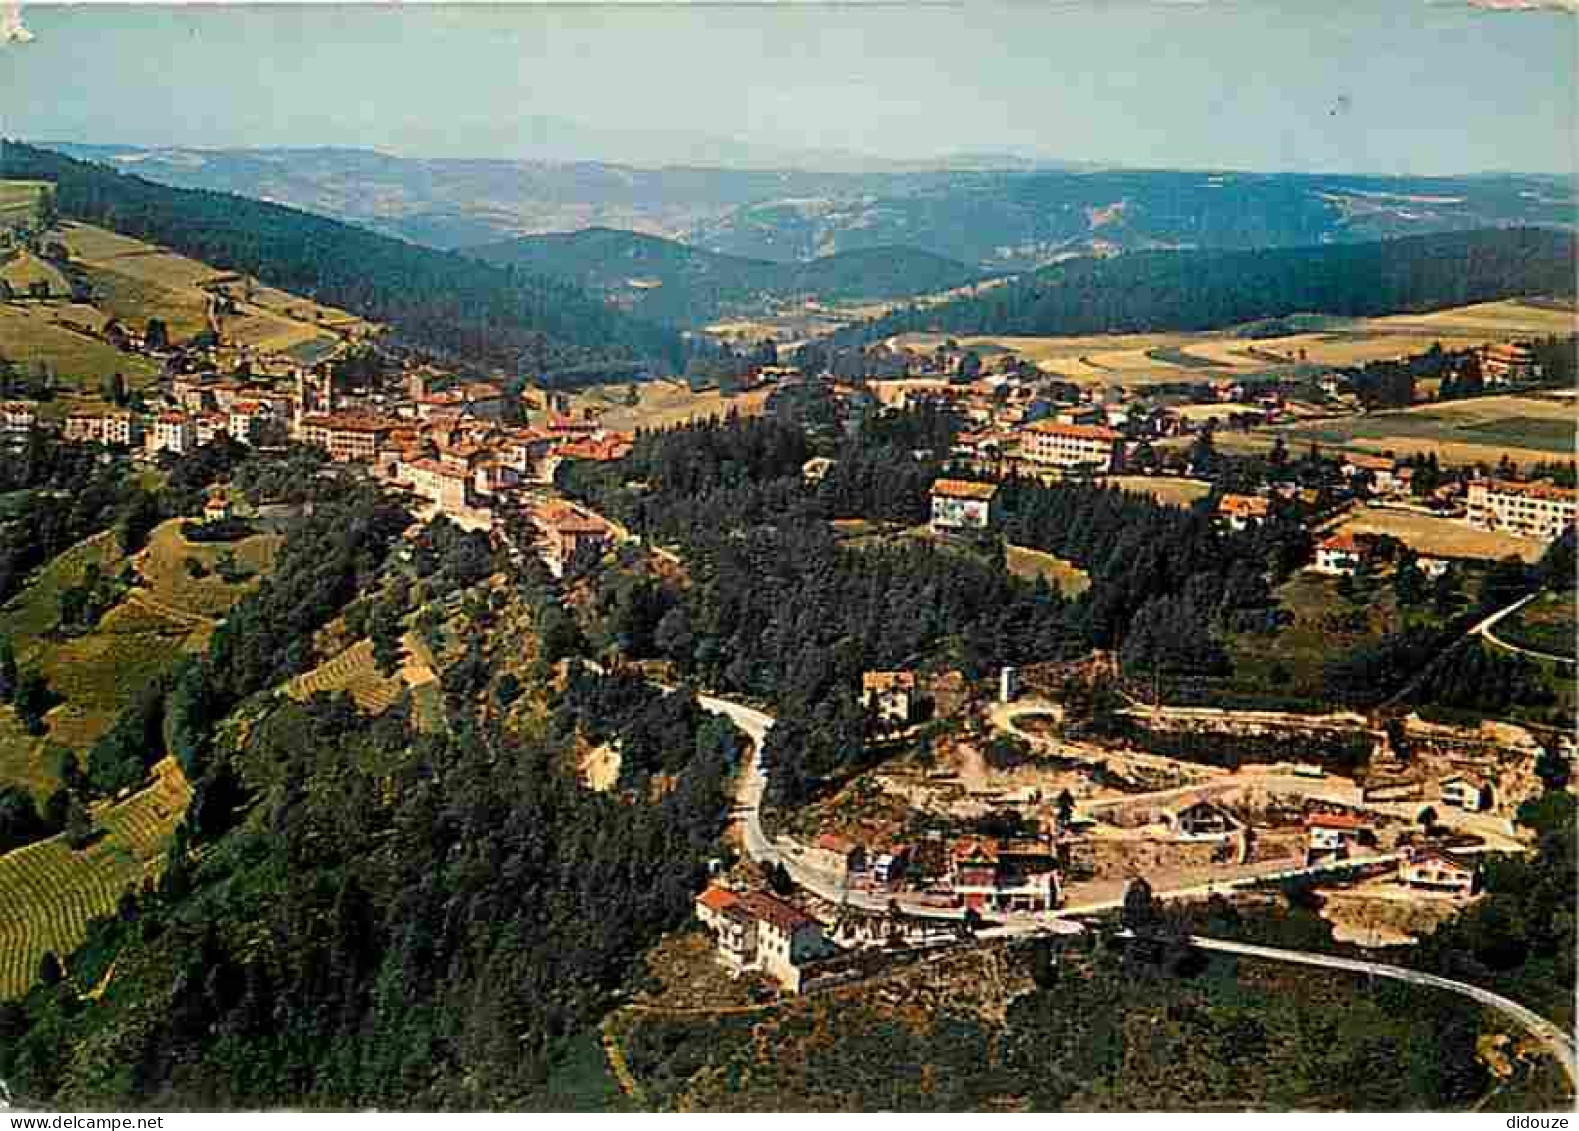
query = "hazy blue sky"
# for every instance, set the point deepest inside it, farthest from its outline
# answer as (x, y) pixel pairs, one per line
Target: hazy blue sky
(1393, 86)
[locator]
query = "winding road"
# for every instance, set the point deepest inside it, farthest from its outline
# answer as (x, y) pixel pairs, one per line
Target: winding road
(763, 849)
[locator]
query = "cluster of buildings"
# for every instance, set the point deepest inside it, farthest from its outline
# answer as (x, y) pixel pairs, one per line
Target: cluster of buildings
(1008, 874)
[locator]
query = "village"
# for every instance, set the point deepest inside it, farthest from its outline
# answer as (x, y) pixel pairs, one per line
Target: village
(968, 838)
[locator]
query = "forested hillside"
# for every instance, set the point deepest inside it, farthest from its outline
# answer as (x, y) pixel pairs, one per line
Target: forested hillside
(1204, 290)
(433, 299)
(681, 285)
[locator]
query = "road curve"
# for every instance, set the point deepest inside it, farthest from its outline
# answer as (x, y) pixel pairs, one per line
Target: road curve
(1559, 1042)
(761, 848)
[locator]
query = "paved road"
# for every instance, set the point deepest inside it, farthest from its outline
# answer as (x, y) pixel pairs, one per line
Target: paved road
(1484, 629)
(1559, 1042)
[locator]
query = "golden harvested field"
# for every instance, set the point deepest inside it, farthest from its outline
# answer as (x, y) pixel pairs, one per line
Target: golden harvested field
(49, 892)
(141, 281)
(1064, 576)
(664, 405)
(1144, 359)
(31, 333)
(1169, 492)
(1427, 534)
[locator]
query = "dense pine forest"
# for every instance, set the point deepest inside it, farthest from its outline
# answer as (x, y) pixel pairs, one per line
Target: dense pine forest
(1206, 290)
(780, 609)
(433, 299)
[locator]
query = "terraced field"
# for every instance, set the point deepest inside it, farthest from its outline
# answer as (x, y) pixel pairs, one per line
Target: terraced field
(48, 892)
(353, 672)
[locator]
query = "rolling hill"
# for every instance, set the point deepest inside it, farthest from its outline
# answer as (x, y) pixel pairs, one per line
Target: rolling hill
(991, 211)
(680, 285)
(433, 299)
(1204, 290)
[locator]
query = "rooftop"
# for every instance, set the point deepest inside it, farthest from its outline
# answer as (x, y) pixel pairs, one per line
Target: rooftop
(964, 489)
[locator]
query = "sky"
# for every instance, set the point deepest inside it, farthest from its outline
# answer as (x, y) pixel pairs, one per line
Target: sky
(1384, 86)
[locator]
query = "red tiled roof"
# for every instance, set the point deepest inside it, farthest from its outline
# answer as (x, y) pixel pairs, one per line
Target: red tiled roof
(718, 899)
(964, 489)
(770, 909)
(1074, 431)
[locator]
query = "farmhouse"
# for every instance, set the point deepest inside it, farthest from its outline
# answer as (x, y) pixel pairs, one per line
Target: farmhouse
(566, 534)
(1072, 445)
(217, 507)
(1383, 470)
(83, 428)
(959, 504)
(1239, 511)
(1504, 363)
(890, 694)
(18, 417)
(837, 854)
(439, 483)
(1428, 869)
(1331, 835)
(1540, 510)
(1341, 554)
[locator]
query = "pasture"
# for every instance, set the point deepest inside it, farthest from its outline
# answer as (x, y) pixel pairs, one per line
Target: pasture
(49, 891)
(19, 200)
(663, 404)
(33, 334)
(162, 565)
(1441, 537)
(1167, 491)
(1066, 577)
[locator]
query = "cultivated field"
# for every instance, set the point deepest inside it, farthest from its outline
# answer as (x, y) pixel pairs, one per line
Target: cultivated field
(1528, 428)
(139, 281)
(98, 673)
(19, 200)
(353, 672)
(49, 892)
(1165, 358)
(1444, 537)
(33, 333)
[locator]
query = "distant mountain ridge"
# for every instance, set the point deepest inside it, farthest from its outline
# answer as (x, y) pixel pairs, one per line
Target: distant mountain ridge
(1000, 212)
(674, 283)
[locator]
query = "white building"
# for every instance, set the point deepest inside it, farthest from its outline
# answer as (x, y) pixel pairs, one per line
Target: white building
(173, 432)
(959, 504)
(1341, 554)
(1464, 793)
(1532, 510)
(1072, 445)
(1427, 869)
(757, 931)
